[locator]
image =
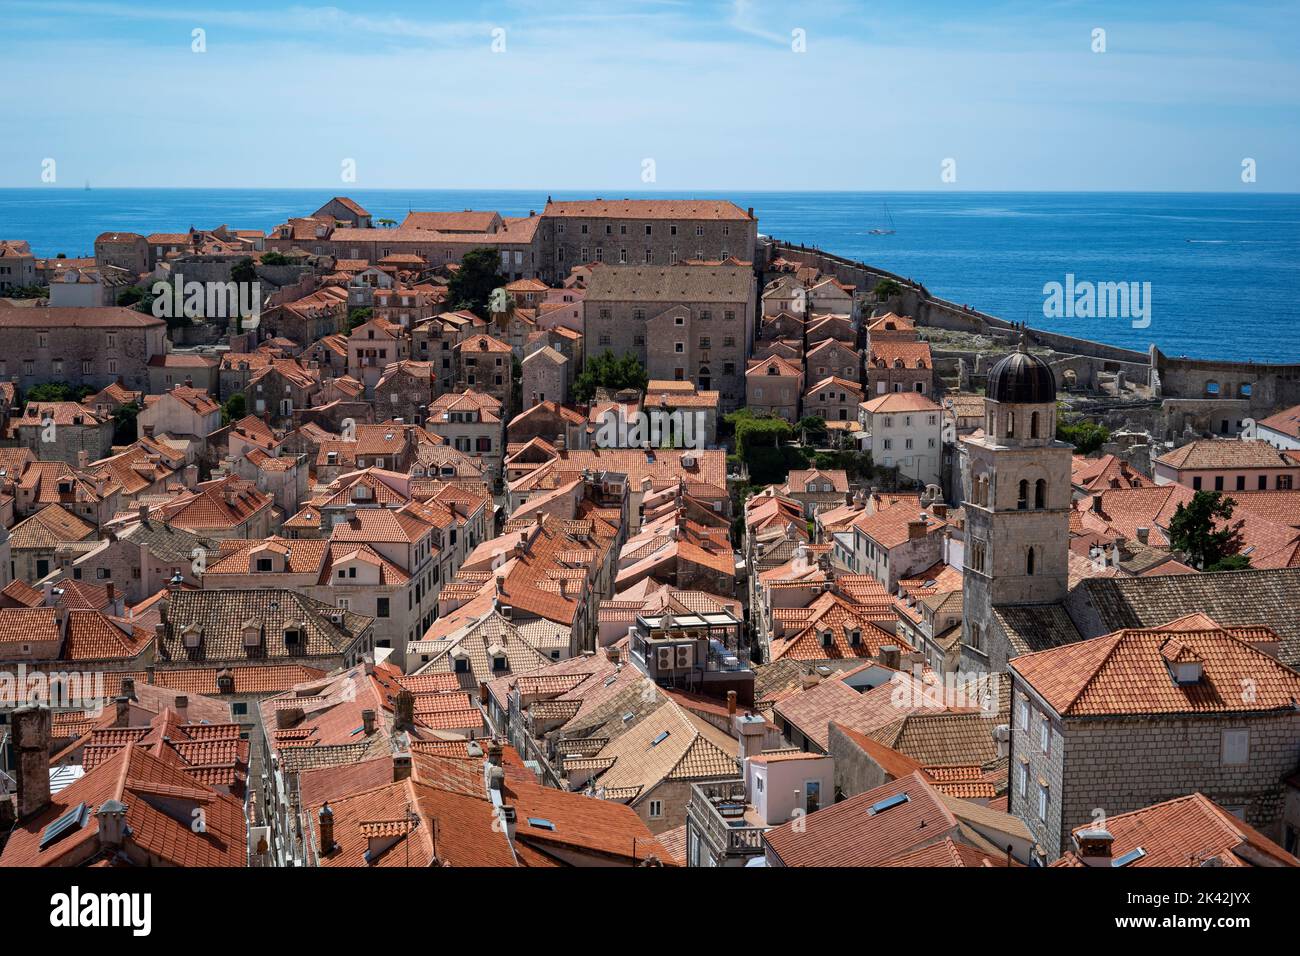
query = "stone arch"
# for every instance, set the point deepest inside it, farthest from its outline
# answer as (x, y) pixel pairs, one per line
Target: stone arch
(1040, 494)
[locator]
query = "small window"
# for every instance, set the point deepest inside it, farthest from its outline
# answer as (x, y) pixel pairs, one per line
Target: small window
(656, 809)
(1235, 748)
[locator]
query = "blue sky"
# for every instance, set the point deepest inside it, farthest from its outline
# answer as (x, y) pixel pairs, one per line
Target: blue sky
(585, 92)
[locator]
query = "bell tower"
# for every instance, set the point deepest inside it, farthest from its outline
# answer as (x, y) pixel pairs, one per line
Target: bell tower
(1017, 508)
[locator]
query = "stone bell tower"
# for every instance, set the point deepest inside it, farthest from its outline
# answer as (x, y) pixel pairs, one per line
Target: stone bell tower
(1018, 507)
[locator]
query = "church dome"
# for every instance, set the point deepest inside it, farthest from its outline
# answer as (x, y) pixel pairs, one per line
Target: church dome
(1022, 379)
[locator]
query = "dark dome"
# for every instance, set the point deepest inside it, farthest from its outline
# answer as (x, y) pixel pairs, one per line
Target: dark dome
(1022, 379)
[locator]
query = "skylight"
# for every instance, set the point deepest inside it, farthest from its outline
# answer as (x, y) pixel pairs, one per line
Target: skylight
(74, 819)
(541, 823)
(1132, 856)
(660, 739)
(880, 806)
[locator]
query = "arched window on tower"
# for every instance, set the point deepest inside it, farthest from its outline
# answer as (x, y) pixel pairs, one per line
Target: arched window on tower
(1011, 424)
(1033, 425)
(1029, 563)
(1022, 499)
(1040, 493)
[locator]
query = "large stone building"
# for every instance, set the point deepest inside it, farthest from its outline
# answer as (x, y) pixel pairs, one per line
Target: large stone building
(683, 322)
(80, 346)
(1018, 507)
(647, 232)
(1143, 715)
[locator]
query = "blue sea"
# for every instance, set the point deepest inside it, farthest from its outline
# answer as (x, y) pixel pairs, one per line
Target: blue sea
(1224, 269)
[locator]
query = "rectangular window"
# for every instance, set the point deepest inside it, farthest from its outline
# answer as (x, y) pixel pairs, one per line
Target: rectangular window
(1045, 735)
(656, 806)
(1235, 749)
(1042, 802)
(381, 607)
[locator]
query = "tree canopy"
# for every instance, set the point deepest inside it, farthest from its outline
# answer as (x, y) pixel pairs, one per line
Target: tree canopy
(472, 284)
(1085, 436)
(608, 370)
(1200, 530)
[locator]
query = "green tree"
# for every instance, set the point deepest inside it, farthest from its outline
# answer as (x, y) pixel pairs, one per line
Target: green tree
(276, 259)
(1086, 437)
(243, 271)
(359, 316)
(811, 429)
(236, 407)
(474, 281)
(124, 430)
(58, 392)
(887, 289)
(607, 370)
(1200, 530)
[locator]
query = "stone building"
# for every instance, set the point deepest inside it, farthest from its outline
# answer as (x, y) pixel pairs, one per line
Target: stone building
(64, 431)
(546, 377)
(484, 364)
(1017, 512)
(774, 386)
(684, 322)
(645, 232)
(125, 250)
(1140, 716)
(80, 346)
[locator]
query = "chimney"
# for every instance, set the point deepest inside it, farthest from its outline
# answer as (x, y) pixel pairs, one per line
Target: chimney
(731, 703)
(916, 529)
(368, 722)
(112, 824)
(83, 459)
(559, 442)
(940, 511)
(1002, 737)
(404, 710)
(890, 655)
(1093, 846)
(325, 827)
(612, 653)
(494, 751)
(123, 716)
(31, 741)
(401, 766)
(111, 595)
(143, 511)
(128, 688)
(47, 594)
(1144, 535)
(182, 706)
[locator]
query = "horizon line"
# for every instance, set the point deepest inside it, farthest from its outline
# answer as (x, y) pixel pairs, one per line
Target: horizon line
(570, 189)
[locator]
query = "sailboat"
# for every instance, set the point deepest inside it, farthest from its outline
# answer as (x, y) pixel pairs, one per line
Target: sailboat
(888, 219)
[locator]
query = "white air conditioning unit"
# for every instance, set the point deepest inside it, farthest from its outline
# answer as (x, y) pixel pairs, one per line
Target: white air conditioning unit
(665, 659)
(685, 656)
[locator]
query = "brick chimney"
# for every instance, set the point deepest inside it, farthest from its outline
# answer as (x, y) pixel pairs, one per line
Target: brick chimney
(31, 741)
(890, 655)
(123, 715)
(325, 830)
(1144, 535)
(368, 722)
(401, 766)
(1093, 846)
(916, 529)
(404, 710)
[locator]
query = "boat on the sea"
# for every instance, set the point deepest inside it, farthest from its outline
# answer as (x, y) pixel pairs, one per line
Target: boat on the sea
(884, 230)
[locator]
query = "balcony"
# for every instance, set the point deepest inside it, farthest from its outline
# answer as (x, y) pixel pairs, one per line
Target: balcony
(726, 823)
